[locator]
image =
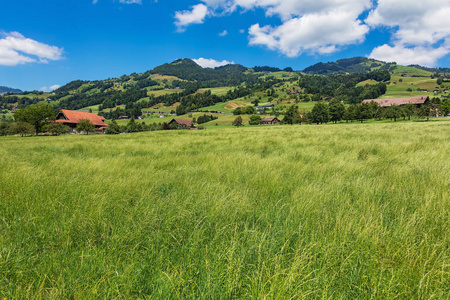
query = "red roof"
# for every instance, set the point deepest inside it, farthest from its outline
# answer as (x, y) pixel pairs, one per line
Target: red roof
(398, 101)
(74, 116)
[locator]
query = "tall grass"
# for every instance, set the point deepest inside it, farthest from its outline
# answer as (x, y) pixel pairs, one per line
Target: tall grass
(347, 211)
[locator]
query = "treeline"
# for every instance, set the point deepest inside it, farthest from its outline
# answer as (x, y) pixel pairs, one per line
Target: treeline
(344, 86)
(335, 111)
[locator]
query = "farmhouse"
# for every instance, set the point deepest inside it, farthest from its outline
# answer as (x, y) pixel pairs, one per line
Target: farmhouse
(71, 118)
(270, 121)
(417, 101)
(180, 123)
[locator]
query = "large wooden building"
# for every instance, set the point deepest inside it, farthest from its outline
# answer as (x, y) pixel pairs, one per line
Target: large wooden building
(71, 118)
(387, 102)
(181, 123)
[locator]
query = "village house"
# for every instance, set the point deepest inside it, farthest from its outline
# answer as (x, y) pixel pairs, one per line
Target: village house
(71, 118)
(182, 124)
(417, 101)
(270, 121)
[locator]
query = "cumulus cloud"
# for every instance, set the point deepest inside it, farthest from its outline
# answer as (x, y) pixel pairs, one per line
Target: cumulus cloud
(316, 33)
(185, 18)
(15, 49)
(421, 30)
(211, 63)
(50, 88)
(223, 33)
(320, 26)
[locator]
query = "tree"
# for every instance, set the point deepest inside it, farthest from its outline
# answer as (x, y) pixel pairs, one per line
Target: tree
(337, 110)
(439, 81)
(256, 102)
(21, 128)
(36, 115)
(425, 111)
(4, 128)
(237, 122)
(319, 114)
(56, 128)
(132, 126)
(350, 113)
(86, 126)
(254, 120)
(363, 112)
(292, 115)
(113, 128)
(444, 108)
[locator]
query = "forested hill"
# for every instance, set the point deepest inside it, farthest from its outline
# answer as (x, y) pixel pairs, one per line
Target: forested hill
(349, 66)
(187, 69)
(5, 89)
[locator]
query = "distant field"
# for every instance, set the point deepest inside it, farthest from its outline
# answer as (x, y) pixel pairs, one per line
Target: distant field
(219, 91)
(357, 211)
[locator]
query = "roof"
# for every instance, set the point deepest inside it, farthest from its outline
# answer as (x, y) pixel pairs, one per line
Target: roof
(268, 119)
(75, 116)
(265, 105)
(183, 122)
(398, 101)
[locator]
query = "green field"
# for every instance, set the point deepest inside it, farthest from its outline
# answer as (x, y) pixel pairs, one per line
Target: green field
(357, 211)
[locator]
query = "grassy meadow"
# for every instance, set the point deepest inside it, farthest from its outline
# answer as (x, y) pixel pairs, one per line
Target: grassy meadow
(349, 211)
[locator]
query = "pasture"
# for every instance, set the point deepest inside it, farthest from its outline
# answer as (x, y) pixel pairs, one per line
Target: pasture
(349, 211)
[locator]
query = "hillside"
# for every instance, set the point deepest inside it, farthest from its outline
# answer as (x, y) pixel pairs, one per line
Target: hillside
(349, 66)
(5, 89)
(183, 87)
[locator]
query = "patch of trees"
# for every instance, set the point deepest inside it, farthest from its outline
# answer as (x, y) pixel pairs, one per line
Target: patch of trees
(345, 86)
(266, 69)
(206, 118)
(246, 110)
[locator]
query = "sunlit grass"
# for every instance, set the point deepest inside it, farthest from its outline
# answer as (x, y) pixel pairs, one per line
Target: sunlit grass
(355, 211)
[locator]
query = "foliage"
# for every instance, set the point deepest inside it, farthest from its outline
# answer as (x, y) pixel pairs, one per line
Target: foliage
(206, 118)
(36, 115)
(21, 128)
(237, 122)
(254, 120)
(113, 128)
(337, 110)
(319, 114)
(4, 128)
(445, 107)
(56, 128)
(292, 116)
(86, 126)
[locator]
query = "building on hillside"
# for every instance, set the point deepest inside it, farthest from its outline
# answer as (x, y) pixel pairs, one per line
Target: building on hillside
(182, 124)
(270, 121)
(71, 118)
(417, 101)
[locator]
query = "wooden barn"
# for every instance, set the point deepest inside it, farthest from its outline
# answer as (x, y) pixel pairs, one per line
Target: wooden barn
(181, 123)
(270, 121)
(71, 118)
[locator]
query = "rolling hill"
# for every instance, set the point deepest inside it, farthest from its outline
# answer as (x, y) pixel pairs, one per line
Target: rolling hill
(182, 86)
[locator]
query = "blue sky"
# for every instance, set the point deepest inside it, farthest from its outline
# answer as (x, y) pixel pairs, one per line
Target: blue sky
(45, 44)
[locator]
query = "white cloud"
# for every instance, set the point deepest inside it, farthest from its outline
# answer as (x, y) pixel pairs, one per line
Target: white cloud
(424, 56)
(187, 17)
(242, 31)
(15, 49)
(421, 30)
(315, 33)
(223, 33)
(211, 63)
(319, 26)
(49, 89)
(94, 1)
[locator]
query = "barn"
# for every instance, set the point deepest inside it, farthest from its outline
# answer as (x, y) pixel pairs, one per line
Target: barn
(71, 118)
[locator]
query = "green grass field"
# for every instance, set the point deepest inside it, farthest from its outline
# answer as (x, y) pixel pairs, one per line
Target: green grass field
(357, 211)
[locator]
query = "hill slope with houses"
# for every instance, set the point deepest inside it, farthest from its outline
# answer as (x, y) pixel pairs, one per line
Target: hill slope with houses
(184, 88)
